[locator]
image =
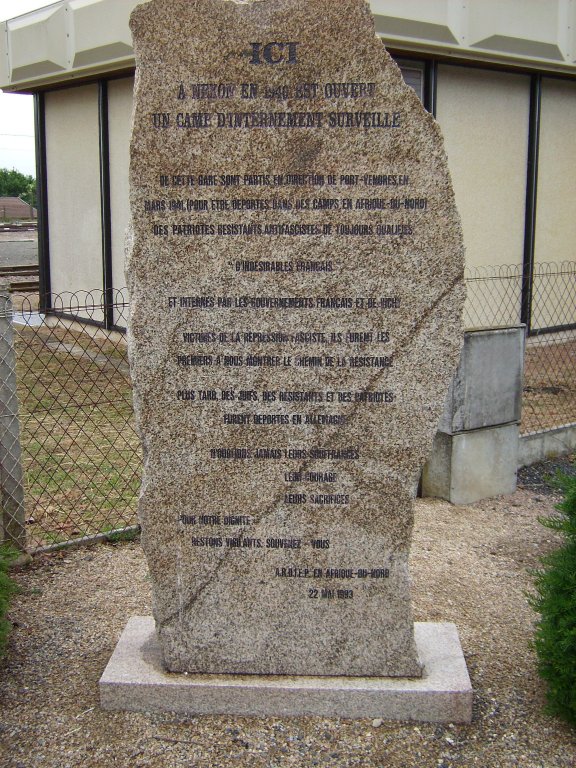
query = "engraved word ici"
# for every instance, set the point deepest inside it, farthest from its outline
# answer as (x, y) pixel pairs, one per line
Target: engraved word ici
(274, 53)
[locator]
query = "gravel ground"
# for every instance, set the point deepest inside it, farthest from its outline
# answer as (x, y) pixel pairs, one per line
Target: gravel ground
(18, 248)
(470, 565)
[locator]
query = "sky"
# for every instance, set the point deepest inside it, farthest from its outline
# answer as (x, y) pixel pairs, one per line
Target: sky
(17, 111)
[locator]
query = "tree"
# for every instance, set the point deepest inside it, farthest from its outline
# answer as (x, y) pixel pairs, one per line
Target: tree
(16, 184)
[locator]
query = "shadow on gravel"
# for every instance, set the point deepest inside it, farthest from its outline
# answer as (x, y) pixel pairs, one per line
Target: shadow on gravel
(540, 477)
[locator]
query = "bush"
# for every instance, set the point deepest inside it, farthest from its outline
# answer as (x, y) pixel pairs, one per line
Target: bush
(7, 589)
(555, 601)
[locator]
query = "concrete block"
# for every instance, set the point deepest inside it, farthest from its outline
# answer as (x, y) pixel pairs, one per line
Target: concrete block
(487, 388)
(432, 20)
(38, 43)
(519, 28)
(135, 680)
(100, 31)
(470, 466)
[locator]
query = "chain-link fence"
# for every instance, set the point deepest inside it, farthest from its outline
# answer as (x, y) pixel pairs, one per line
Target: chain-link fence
(495, 299)
(12, 520)
(79, 449)
(73, 416)
(549, 398)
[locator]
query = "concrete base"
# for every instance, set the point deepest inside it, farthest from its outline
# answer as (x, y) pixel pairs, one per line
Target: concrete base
(539, 446)
(470, 466)
(135, 680)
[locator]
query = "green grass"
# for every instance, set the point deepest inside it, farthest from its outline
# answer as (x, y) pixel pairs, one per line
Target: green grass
(7, 588)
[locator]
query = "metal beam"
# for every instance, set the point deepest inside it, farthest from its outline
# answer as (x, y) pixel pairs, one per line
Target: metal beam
(42, 203)
(531, 200)
(105, 207)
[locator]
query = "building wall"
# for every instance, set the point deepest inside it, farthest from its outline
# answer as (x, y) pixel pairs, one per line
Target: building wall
(73, 169)
(15, 208)
(484, 116)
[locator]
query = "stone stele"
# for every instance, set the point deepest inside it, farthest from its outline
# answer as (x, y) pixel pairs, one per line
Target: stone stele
(295, 271)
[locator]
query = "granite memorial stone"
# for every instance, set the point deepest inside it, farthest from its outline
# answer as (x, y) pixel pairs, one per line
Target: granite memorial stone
(295, 271)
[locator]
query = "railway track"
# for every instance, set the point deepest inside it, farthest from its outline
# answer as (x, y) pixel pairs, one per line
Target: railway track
(19, 271)
(25, 286)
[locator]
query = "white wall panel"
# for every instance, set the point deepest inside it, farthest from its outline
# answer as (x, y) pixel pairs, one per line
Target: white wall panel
(556, 204)
(556, 208)
(484, 118)
(120, 119)
(72, 150)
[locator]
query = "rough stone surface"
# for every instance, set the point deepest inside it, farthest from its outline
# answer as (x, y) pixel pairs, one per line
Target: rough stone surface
(277, 525)
(135, 680)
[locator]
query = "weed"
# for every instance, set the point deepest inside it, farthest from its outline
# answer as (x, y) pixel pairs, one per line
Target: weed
(126, 535)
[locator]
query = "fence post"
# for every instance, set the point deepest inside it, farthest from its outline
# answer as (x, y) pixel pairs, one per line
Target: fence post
(12, 521)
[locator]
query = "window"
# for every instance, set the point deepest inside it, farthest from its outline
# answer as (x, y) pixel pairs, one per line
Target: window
(413, 74)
